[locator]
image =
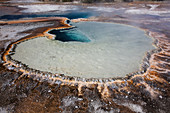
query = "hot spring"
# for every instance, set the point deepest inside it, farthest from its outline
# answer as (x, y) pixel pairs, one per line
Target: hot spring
(90, 50)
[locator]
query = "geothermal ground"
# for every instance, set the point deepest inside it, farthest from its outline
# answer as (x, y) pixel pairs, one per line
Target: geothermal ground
(25, 89)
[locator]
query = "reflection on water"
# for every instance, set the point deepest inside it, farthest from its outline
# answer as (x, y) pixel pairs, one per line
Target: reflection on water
(114, 50)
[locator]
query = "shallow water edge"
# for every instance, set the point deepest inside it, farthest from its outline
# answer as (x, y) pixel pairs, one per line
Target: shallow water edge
(146, 92)
(106, 55)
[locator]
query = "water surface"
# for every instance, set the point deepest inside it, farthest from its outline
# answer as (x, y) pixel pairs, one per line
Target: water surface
(113, 50)
(70, 15)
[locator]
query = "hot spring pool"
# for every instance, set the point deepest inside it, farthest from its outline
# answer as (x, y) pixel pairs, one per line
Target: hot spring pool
(109, 50)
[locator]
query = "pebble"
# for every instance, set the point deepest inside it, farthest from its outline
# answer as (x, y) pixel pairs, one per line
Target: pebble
(49, 91)
(160, 96)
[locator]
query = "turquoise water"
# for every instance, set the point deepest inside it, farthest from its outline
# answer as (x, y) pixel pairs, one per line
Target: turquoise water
(110, 50)
(70, 35)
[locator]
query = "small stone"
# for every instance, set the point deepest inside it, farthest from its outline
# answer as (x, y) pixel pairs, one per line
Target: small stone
(160, 96)
(76, 107)
(80, 99)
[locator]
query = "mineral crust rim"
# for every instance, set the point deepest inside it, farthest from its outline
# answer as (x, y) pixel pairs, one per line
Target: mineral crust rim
(77, 81)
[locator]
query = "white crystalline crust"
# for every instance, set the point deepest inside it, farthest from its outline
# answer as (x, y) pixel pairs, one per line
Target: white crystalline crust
(103, 9)
(23, 1)
(153, 10)
(12, 32)
(46, 7)
(145, 11)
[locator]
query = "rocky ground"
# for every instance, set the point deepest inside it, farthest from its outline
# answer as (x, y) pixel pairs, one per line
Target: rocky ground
(148, 92)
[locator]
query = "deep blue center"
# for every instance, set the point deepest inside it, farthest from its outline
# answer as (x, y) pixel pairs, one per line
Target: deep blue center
(67, 35)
